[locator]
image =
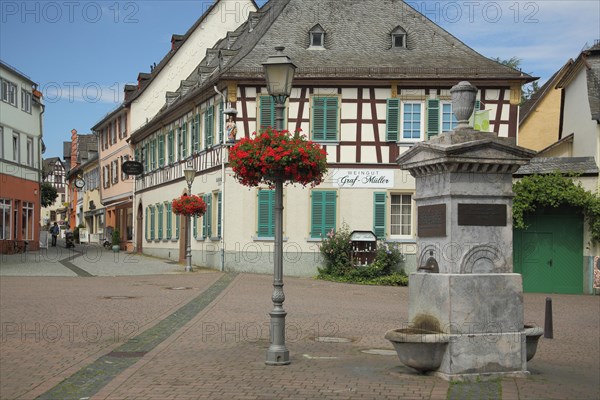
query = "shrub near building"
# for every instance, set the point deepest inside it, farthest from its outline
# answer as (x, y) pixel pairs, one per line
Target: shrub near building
(336, 250)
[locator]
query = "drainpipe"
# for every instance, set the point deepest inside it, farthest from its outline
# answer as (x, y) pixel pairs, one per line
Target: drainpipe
(222, 186)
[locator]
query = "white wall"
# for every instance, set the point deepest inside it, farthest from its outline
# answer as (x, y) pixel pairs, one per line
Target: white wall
(227, 16)
(578, 119)
(27, 125)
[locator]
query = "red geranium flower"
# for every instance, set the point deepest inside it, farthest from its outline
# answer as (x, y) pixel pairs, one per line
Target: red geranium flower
(273, 155)
(189, 205)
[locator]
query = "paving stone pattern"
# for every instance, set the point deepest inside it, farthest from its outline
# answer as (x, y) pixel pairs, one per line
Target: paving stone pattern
(207, 341)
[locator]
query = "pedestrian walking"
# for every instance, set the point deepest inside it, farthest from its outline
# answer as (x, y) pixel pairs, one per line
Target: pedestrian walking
(54, 231)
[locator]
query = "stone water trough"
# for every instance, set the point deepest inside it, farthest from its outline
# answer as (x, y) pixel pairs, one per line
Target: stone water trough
(465, 303)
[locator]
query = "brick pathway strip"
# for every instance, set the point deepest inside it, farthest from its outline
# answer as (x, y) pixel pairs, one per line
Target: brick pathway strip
(89, 380)
(490, 390)
(80, 272)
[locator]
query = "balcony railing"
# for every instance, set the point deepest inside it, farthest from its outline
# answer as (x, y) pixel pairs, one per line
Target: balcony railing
(202, 161)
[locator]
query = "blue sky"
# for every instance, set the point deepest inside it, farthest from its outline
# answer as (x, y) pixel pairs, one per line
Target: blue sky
(82, 52)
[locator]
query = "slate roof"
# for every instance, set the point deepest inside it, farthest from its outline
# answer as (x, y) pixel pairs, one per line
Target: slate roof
(585, 166)
(593, 80)
(48, 165)
(530, 105)
(590, 60)
(358, 41)
(358, 46)
(88, 149)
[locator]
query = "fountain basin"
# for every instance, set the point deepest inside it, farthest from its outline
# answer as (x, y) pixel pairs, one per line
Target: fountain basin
(532, 337)
(419, 349)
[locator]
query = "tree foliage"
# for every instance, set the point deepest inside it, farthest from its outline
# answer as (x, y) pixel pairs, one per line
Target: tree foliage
(554, 190)
(49, 194)
(528, 89)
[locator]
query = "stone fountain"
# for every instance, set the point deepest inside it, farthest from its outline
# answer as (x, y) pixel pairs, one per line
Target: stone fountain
(464, 288)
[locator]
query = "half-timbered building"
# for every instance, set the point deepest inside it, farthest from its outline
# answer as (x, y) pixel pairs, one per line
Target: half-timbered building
(373, 79)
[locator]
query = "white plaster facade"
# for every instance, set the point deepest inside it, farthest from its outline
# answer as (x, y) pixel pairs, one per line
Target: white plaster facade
(225, 16)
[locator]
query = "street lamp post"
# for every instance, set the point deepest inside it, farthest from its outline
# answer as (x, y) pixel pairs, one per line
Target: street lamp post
(279, 72)
(190, 173)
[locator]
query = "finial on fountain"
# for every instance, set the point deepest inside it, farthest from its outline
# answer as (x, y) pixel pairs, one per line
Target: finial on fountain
(463, 103)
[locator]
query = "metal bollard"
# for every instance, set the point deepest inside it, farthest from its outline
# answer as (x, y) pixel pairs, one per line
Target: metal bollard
(548, 329)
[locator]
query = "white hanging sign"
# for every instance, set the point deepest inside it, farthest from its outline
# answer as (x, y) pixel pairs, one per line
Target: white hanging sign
(363, 178)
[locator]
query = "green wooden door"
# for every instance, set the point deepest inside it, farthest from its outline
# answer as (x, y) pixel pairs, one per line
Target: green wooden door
(549, 253)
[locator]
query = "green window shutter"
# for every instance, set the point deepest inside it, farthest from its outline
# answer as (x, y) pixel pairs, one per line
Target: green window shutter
(161, 150)
(152, 222)
(209, 126)
(266, 111)
(393, 120)
(171, 147)
(169, 221)
(266, 217)
(219, 211)
(433, 118)
(209, 215)
(379, 214)
(184, 140)
(153, 154)
(137, 154)
(177, 227)
(221, 121)
(323, 213)
(195, 227)
(196, 133)
(160, 221)
(147, 217)
(330, 211)
(325, 118)
(146, 156)
(316, 214)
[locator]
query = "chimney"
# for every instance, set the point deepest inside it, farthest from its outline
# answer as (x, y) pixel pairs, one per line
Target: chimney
(74, 145)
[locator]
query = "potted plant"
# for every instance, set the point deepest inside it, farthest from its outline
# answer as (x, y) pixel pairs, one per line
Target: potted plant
(116, 240)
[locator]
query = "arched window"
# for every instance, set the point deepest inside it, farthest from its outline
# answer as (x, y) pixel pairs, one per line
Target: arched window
(399, 38)
(317, 37)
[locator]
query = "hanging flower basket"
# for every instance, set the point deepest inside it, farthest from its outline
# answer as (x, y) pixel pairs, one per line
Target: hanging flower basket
(186, 205)
(278, 155)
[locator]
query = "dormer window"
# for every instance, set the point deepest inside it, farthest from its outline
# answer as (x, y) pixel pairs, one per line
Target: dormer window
(399, 38)
(317, 37)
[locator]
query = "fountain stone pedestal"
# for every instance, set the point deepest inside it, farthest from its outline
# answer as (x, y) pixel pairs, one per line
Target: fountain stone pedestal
(464, 279)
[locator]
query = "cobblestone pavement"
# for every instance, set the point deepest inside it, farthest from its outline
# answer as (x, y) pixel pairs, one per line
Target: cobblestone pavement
(176, 335)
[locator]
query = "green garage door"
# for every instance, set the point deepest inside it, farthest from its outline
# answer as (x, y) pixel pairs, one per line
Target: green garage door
(549, 253)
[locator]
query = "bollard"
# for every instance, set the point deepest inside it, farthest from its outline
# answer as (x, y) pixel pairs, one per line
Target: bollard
(548, 329)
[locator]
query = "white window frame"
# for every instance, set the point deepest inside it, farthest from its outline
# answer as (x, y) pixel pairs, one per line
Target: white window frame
(124, 125)
(442, 105)
(422, 121)
(30, 152)
(400, 224)
(5, 219)
(9, 92)
(114, 172)
(16, 147)
(399, 32)
(26, 101)
(312, 34)
(28, 226)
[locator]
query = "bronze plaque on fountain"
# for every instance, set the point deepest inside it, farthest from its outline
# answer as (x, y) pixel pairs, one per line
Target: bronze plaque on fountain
(431, 221)
(482, 214)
